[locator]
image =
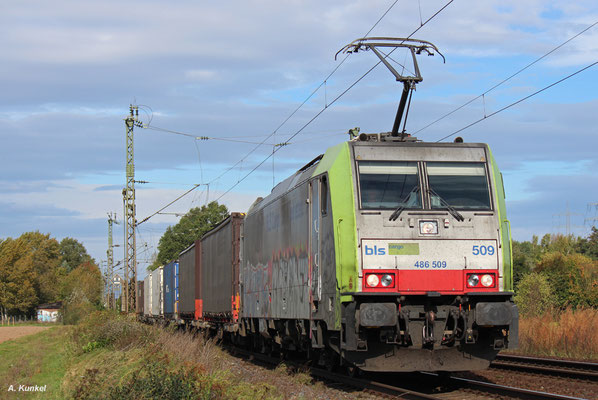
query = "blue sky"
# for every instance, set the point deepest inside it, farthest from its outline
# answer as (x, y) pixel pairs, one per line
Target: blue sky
(237, 70)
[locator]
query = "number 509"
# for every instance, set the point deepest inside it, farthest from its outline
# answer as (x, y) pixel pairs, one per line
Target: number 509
(483, 250)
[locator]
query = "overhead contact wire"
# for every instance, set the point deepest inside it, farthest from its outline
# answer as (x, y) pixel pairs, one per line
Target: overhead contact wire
(506, 79)
(295, 111)
(169, 204)
(331, 103)
(519, 101)
(279, 126)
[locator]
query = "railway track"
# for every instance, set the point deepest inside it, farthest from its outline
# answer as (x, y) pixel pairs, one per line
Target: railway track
(340, 380)
(422, 386)
(548, 366)
(491, 390)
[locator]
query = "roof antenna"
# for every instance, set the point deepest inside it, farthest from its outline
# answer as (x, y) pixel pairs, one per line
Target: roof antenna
(415, 46)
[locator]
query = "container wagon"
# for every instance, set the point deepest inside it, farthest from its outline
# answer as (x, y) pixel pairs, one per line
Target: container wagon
(147, 296)
(189, 283)
(170, 289)
(157, 309)
(218, 271)
(140, 298)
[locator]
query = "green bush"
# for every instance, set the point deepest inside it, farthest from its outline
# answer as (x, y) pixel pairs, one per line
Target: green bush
(572, 277)
(156, 381)
(534, 295)
(109, 329)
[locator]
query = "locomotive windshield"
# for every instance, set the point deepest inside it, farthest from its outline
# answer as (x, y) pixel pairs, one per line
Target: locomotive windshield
(461, 185)
(389, 184)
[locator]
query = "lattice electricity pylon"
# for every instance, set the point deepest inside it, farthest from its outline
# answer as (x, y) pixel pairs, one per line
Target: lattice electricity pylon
(130, 275)
(591, 221)
(110, 261)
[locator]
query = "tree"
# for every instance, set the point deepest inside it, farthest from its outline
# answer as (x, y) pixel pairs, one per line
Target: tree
(589, 246)
(31, 272)
(534, 295)
(573, 278)
(17, 278)
(81, 292)
(525, 255)
(73, 254)
(191, 227)
(43, 255)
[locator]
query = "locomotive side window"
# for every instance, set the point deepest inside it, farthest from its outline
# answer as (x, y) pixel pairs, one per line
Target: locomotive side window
(461, 185)
(324, 196)
(388, 185)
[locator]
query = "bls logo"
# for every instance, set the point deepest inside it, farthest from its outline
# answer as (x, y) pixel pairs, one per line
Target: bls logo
(375, 251)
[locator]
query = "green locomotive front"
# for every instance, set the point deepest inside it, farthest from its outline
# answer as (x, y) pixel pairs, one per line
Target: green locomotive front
(385, 254)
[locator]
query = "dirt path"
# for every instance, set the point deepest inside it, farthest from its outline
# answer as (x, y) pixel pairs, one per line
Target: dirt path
(14, 332)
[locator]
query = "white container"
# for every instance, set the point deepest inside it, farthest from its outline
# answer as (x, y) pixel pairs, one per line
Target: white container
(147, 294)
(157, 299)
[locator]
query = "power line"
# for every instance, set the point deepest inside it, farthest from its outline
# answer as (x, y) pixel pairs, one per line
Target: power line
(323, 83)
(170, 183)
(506, 79)
(519, 101)
(169, 204)
(380, 19)
(331, 103)
(224, 139)
(232, 138)
(293, 113)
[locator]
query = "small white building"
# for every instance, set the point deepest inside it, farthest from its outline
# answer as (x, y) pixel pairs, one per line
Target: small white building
(48, 312)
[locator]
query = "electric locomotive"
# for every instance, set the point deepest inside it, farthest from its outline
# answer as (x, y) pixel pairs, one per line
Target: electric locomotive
(386, 253)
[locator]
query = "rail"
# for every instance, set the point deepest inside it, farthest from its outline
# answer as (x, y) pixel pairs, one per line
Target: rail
(547, 366)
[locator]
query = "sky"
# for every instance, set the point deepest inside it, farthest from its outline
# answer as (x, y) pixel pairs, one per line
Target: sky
(237, 71)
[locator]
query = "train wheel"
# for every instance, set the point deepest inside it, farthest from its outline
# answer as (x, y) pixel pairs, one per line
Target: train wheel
(331, 361)
(352, 371)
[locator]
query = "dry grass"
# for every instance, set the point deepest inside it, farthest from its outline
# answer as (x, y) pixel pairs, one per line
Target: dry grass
(114, 357)
(568, 334)
(189, 348)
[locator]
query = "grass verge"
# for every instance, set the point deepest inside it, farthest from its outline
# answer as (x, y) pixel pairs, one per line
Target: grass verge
(568, 334)
(114, 357)
(38, 359)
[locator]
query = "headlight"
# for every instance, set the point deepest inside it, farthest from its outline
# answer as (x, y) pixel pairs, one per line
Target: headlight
(428, 227)
(473, 280)
(386, 280)
(372, 280)
(487, 280)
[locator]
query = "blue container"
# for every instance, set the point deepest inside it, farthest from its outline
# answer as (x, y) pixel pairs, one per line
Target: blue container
(170, 289)
(176, 288)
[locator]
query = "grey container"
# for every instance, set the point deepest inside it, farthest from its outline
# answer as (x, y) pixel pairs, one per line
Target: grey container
(219, 269)
(157, 304)
(188, 287)
(147, 295)
(140, 298)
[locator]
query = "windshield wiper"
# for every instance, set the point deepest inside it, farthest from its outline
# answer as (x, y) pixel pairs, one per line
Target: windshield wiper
(448, 207)
(403, 203)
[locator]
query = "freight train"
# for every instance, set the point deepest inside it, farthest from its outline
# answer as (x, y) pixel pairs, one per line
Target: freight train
(383, 254)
